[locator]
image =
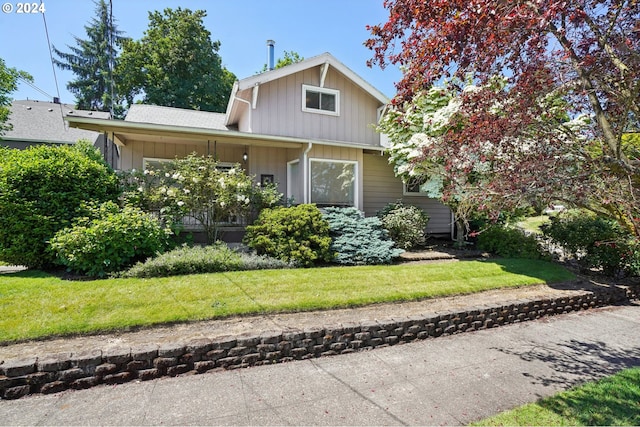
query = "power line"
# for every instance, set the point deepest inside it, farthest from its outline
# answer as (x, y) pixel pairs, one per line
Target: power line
(55, 77)
(23, 80)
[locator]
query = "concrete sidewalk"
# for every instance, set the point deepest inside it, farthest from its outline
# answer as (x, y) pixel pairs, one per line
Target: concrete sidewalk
(450, 380)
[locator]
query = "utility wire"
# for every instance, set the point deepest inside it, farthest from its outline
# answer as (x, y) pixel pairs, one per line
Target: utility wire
(23, 80)
(55, 77)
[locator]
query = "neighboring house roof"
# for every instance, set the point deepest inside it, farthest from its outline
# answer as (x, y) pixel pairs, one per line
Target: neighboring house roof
(154, 114)
(42, 121)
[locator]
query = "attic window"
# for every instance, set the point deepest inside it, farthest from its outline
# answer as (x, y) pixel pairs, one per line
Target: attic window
(320, 100)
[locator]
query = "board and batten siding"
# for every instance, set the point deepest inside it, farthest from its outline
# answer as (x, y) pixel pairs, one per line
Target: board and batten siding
(134, 152)
(279, 110)
(381, 187)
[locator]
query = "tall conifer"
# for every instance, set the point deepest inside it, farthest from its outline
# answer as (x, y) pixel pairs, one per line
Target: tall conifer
(92, 61)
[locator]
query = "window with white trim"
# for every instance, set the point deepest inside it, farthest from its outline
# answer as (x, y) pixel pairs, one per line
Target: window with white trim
(332, 182)
(320, 100)
(412, 186)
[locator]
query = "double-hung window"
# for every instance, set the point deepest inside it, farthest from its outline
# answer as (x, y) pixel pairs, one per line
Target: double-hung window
(320, 100)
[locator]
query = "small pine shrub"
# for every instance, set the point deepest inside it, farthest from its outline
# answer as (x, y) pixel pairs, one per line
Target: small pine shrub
(406, 224)
(357, 240)
(297, 234)
(109, 240)
(509, 243)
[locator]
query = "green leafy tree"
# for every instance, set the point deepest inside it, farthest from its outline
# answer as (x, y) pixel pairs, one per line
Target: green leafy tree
(289, 58)
(42, 190)
(92, 61)
(176, 64)
(8, 84)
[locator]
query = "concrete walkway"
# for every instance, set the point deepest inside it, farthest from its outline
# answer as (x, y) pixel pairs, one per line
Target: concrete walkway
(449, 380)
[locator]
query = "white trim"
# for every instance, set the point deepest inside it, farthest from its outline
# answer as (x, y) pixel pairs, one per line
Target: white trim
(310, 63)
(356, 178)
(321, 90)
(290, 182)
(323, 73)
(406, 192)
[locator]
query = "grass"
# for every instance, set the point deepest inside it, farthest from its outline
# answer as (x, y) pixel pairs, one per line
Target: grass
(532, 224)
(36, 304)
(614, 400)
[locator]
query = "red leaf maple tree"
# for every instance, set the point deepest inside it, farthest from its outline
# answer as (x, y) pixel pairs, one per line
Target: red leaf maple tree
(585, 51)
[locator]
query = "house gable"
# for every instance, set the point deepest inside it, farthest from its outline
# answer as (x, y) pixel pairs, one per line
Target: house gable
(273, 103)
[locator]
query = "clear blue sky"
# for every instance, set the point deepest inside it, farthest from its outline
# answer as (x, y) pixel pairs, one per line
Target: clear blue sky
(242, 26)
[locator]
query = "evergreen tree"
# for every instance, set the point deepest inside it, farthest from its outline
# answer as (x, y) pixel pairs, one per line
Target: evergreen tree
(92, 60)
(176, 64)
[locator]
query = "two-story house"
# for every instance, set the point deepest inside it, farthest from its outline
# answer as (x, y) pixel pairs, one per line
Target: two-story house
(309, 127)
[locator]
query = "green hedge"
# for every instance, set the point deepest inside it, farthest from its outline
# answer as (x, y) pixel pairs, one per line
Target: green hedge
(42, 189)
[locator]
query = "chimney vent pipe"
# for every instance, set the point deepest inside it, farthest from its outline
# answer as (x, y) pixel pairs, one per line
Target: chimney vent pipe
(270, 50)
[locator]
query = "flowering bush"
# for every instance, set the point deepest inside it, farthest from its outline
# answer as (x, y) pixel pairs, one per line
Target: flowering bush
(406, 224)
(196, 186)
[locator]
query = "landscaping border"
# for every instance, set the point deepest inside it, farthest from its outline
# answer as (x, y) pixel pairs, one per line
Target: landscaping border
(55, 373)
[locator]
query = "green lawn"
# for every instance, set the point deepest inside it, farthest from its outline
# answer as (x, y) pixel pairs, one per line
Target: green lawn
(612, 401)
(36, 305)
(532, 224)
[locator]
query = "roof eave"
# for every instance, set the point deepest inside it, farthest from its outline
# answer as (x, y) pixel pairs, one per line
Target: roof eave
(107, 125)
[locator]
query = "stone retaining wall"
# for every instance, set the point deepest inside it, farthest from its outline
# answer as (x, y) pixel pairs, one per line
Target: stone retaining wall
(56, 373)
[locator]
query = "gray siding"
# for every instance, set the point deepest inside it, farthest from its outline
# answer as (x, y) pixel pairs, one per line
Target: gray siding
(133, 153)
(279, 110)
(381, 186)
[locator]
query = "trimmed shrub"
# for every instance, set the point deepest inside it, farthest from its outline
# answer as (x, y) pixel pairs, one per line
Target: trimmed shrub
(406, 224)
(357, 240)
(297, 234)
(109, 240)
(42, 189)
(201, 259)
(595, 241)
(509, 243)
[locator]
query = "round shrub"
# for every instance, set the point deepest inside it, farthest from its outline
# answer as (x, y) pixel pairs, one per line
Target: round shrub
(357, 240)
(109, 240)
(406, 224)
(297, 234)
(42, 189)
(509, 243)
(595, 241)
